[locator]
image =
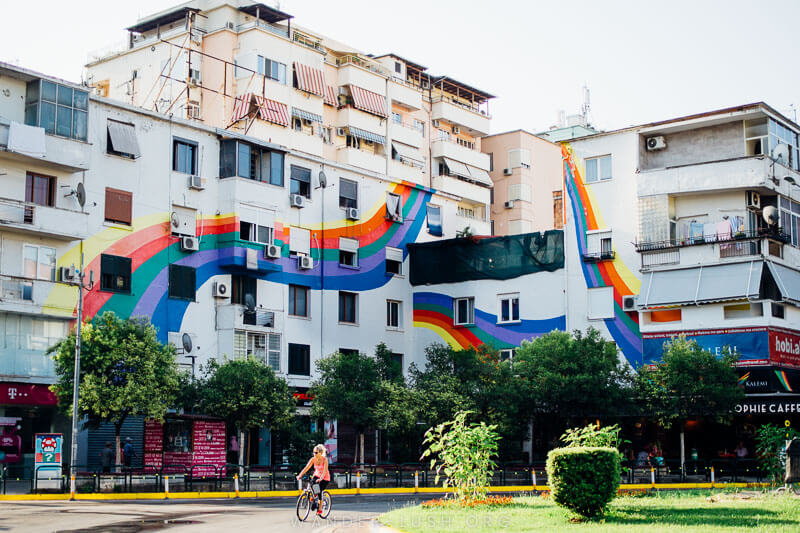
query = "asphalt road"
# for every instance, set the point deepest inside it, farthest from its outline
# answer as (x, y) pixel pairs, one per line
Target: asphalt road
(349, 513)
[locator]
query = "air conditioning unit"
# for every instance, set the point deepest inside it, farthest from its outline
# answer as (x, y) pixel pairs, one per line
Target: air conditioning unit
(509, 204)
(272, 251)
(297, 200)
(220, 290)
(655, 143)
(194, 77)
(435, 123)
(506, 172)
(67, 274)
(353, 214)
(340, 132)
(189, 244)
(304, 262)
(456, 130)
(230, 25)
(629, 302)
(197, 183)
(753, 200)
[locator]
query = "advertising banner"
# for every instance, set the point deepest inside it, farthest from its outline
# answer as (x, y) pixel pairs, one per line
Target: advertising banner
(331, 440)
(47, 462)
(784, 347)
(752, 344)
(26, 394)
(779, 405)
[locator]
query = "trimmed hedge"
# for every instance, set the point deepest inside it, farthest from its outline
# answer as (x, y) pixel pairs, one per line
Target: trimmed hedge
(584, 480)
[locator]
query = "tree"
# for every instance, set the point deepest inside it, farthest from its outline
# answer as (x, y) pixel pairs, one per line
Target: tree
(247, 393)
(690, 381)
(347, 389)
(125, 372)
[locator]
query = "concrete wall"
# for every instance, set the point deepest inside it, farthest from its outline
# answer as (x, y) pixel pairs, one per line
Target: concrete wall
(699, 145)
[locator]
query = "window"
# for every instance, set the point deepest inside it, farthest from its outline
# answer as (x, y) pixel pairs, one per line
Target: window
(508, 354)
(40, 190)
(298, 300)
(347, 307)
(394, 314)
(348, 194)
(558, 210)
(744, 310)
(353, 142)
(598, 168)
(394, 207)
(398, 67)
(509, 308)
(326, 134)
(397, 359)
(780, 134)
(463, 311)
(250, 231)
(491, 161)
(245, 160)
(115, 273)
(38, 262)
(397, 118)
(300, 181)
(272, 69)
(118, 206)
(605, 247)
(348, 351)
(348, 252)
(181, 282)
(419, 126)
(394, 261)
(600, 303)
(434, 219)
(297, 123)
(241, 287)
(519, 157)
(265, 347)
(778, 310)
(443, 135)
(59, 109)
(23, 332)
(599, 244)
(790, 219)
(121, 140)
(299, 241)
(299, 359)
(465, 143)
(184, 156)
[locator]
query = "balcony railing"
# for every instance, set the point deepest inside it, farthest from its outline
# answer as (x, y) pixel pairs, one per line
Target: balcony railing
(305, 40)
(16, 212)
(360, 62)
(776, 234)
(596, 257)
(475, 108)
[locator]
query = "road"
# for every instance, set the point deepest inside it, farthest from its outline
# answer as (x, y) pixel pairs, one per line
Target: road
(350, 513)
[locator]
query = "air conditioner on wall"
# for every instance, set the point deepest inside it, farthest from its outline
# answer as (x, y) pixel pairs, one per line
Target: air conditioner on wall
(509, 204)
(340, 132)
(67, 274)
(272, 251)
(435, 123)
(297, 200)
(304, 262)
(753, 200)
(352, 213)
(506, 172)
(220, 290)
(197, 183)
(190, 244)
(629, 303)
(655, 143)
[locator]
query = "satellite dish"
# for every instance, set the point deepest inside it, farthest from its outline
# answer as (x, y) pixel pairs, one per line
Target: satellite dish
(250, 302)
(80, 194)
(781, 153)
(770, 214)
(175, 220)
(186, 340)
(323, 179)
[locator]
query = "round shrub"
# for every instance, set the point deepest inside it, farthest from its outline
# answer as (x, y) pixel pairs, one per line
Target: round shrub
(583, 480)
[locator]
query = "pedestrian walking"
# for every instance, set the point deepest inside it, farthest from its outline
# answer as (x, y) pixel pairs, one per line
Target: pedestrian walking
(128, 453)
(107, 458)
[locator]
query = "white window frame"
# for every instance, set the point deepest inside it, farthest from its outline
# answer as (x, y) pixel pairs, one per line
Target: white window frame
(597, 163)
(399, 314)
(510, 297)
(594, 241)
(597, 292)
(39, 248)
(470, 311)
(394, 255)
(509, 354)
(349, 247)
(240, 352)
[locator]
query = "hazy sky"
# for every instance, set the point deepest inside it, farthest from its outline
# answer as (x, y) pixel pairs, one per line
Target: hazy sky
(642, 60)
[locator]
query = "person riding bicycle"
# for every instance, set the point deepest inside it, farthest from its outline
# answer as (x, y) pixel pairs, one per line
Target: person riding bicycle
(321, 475)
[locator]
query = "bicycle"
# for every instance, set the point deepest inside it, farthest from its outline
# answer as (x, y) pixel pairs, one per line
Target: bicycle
(309, 500)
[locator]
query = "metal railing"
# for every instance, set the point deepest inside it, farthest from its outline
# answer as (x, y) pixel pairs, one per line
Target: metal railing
(596, 257)
(350, 59)
(464, 105)
(777, 234)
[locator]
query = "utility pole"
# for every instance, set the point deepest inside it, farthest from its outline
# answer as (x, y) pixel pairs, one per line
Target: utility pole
(77, 374)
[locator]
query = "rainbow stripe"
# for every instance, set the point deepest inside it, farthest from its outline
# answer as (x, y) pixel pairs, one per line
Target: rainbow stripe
(783, 380)
(624, 328)
(434, 311)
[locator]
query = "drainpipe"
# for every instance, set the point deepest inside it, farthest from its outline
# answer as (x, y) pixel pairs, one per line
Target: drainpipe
(566, 218)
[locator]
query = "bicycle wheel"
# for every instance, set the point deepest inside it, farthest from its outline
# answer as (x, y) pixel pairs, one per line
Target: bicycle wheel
(325, 504)
(303, 506)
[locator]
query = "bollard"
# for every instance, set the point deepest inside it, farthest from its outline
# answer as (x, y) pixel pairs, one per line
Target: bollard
(358, 481)
(652, 476)
(72, 487)
(236, 484)
(166, 487)
(712, 476)
(416, 480)
(533, 475)
(299, 485)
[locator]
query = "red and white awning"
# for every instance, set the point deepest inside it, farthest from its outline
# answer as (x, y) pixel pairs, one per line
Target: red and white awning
(272, 111)
(309, 79)
(330, 96)
(242, 107)
(369, 101)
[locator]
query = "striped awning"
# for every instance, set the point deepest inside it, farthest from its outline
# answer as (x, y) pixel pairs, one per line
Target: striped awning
(306, 115)
(242, 106)
(330, 96)
(369, 101)
(309, 79)
(272, 111)
(367, 135)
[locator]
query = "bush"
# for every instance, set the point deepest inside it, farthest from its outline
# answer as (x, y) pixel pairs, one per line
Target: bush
(584, 480)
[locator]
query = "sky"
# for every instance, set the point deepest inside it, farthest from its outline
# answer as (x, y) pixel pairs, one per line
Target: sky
(642, 61)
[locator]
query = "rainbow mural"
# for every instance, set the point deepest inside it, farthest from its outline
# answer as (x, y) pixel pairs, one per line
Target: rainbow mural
(152, 248)
(624, 327)
(434, 311)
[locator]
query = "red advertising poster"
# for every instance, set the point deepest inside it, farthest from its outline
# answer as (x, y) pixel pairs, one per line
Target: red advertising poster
(153, 443)
(26, 394)
(208, 446)
(784, 347)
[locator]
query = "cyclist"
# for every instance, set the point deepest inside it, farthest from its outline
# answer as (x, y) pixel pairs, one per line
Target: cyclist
(321, 475)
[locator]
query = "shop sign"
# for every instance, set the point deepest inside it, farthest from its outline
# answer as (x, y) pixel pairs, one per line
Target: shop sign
(784, 347)
(26, 394)
(302, 397)
(48, 454)
(752, 344)
(769, 406)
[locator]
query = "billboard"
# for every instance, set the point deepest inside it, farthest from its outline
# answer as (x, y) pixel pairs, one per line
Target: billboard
(752, 344)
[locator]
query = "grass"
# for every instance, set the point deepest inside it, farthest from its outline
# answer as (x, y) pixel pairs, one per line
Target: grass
(696, 511)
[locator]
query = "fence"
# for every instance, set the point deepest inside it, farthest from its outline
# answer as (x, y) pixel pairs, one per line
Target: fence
(213, 478)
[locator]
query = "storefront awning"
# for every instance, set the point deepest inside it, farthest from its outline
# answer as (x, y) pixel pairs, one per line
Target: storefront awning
(788, 281)
(272, 111)
(309, 79)
(368, 101)
(669, 288)
(367, 135)
(313, 117)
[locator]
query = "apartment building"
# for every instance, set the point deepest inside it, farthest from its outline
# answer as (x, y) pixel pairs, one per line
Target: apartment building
(528, 183)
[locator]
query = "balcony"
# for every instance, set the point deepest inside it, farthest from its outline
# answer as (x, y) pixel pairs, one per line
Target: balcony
(310, 144)
(476, 225)
(60, 152)
(235, 316)
(741, 236)
(466, 116)
(33, 365)
(464, 189)
(452, 150)
(361, 159)
(25, 295)
(368, 75)
(50, 222)
(597, 257)
(406, 96)
(308, 41)
(405, 133)
(404, 171)
(350, 116)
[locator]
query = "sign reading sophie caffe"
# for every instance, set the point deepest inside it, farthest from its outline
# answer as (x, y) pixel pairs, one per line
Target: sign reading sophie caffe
(770, 406)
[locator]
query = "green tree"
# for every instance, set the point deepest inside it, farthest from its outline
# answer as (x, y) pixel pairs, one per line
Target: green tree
(125, 371)
(347, 389)
(771, 449)
(247, 393)
(397, 412)
(688, 382)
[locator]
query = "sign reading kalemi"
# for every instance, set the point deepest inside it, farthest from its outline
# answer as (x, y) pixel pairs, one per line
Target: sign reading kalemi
(26, 394)
(784, 347)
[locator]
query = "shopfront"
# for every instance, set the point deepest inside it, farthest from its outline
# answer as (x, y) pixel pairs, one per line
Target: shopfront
(25, 410)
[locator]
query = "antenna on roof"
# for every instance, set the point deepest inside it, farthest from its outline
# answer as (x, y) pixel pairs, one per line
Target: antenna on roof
(586, 105)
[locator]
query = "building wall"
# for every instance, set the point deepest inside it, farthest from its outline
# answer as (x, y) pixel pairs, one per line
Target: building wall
(698, 145)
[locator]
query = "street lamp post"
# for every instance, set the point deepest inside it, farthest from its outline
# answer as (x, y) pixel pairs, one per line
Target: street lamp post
(77, 373)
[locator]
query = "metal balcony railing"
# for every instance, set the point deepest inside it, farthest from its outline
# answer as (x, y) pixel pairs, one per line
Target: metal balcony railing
(776, 234)
(596, 257)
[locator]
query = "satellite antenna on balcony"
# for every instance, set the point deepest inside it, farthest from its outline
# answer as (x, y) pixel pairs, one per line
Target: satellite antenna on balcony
(781, 153)
(250, 303)
(770, 214)
(186, 340)
(79, 193)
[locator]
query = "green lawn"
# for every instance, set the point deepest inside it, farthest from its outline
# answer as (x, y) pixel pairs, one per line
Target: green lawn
(655, 512)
